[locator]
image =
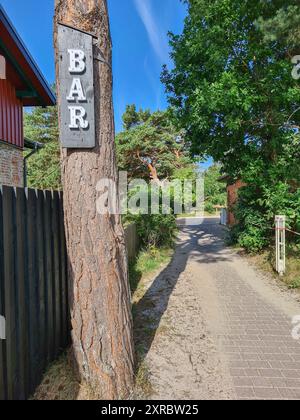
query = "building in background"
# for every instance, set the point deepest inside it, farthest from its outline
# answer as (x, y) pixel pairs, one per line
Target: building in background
(21, 85)
(232, 196)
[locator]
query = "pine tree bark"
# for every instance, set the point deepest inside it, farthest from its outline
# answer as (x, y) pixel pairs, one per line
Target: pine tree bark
(98, 279)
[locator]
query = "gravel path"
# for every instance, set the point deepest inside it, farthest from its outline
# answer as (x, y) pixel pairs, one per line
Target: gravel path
(215, 328)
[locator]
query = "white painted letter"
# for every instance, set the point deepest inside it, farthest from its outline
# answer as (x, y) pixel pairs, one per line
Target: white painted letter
(76, 90)
(77, 63)
(77, 117)
(2, 328)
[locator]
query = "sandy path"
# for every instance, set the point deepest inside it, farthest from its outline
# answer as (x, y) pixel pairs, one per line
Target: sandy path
(211, 327)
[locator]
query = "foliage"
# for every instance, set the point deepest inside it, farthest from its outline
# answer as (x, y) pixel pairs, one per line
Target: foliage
(233, 93)
(271, 189)
(41, 124)
(155, 230)
(285, 25)
(147, 261)
(295, 284)
(132, 117)
(231, 89)
(43, 168)
(215, 191)
(151, 147)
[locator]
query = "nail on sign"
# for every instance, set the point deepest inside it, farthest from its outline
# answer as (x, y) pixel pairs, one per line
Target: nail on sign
(76, 88)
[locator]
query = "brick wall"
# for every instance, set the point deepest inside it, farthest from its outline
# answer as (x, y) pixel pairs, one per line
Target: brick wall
(232, 195)
(11, 166)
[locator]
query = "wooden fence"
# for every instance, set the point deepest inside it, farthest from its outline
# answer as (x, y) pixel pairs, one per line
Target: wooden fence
(33, 288)
(132, 241)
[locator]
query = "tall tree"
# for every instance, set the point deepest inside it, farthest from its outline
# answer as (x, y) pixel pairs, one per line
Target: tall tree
(100, 297)
(151, 148)
(41, 124)
(131, 117)
(232, 91)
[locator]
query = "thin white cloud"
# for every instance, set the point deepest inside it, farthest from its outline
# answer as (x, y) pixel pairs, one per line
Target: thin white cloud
(157, 38)
(155, 84)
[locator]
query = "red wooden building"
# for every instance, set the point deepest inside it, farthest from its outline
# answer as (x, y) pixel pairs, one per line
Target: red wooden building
(21, 84)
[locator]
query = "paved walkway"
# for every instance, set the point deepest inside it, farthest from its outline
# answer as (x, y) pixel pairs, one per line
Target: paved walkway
(222, 330)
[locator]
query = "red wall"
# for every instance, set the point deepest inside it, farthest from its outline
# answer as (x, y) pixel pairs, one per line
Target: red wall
(11, 115)
(232, 195)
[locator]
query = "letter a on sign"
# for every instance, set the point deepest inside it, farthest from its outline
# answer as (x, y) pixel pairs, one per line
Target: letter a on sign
(76, 88)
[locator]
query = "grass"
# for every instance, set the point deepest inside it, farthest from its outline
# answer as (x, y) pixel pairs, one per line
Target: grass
(143, 382)
(147, 262)
(267, 262)
(60, 384)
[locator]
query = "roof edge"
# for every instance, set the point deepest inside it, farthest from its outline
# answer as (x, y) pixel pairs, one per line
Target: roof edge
(28, 57)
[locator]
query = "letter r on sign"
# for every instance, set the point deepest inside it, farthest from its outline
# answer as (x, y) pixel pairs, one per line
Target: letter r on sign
(77, 117)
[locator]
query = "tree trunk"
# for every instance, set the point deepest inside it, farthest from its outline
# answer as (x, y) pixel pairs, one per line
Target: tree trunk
(98, 276)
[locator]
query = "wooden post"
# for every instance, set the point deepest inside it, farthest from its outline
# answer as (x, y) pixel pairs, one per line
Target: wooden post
(98, 278)
(280, 244)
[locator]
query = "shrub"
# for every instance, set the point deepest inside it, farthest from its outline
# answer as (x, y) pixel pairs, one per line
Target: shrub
(156, 230)
(270, 190)
(295, 284)
(209, 208)
(252, 239)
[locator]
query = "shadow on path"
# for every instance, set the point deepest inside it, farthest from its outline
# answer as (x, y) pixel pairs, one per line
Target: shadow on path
(201, 243)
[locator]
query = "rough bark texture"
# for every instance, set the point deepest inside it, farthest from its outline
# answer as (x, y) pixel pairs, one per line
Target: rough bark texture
(99, 291)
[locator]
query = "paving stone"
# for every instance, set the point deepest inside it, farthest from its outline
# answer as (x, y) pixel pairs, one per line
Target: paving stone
(264, 360)
(267, 393)
(245, 392)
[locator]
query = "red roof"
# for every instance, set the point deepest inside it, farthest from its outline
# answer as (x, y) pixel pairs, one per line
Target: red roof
(22, 71)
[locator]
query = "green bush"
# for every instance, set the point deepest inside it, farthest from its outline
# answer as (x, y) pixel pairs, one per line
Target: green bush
(209, 208)
(253, 231)
(252, 239)
(295, 284)
(271, 189)
(156, 230)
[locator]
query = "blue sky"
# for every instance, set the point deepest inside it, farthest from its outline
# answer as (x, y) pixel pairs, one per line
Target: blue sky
(140, 44)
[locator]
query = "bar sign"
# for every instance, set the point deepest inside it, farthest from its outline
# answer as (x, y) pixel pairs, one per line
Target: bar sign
(76, 88)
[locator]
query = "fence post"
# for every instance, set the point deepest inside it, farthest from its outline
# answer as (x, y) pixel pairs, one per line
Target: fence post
(280, 244)
(224, 216)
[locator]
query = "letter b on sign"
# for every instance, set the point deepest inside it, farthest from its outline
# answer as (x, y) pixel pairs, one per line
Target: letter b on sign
(77, 61)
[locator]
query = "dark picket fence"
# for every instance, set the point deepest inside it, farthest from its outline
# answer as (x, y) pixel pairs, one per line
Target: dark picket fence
(33, 288)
